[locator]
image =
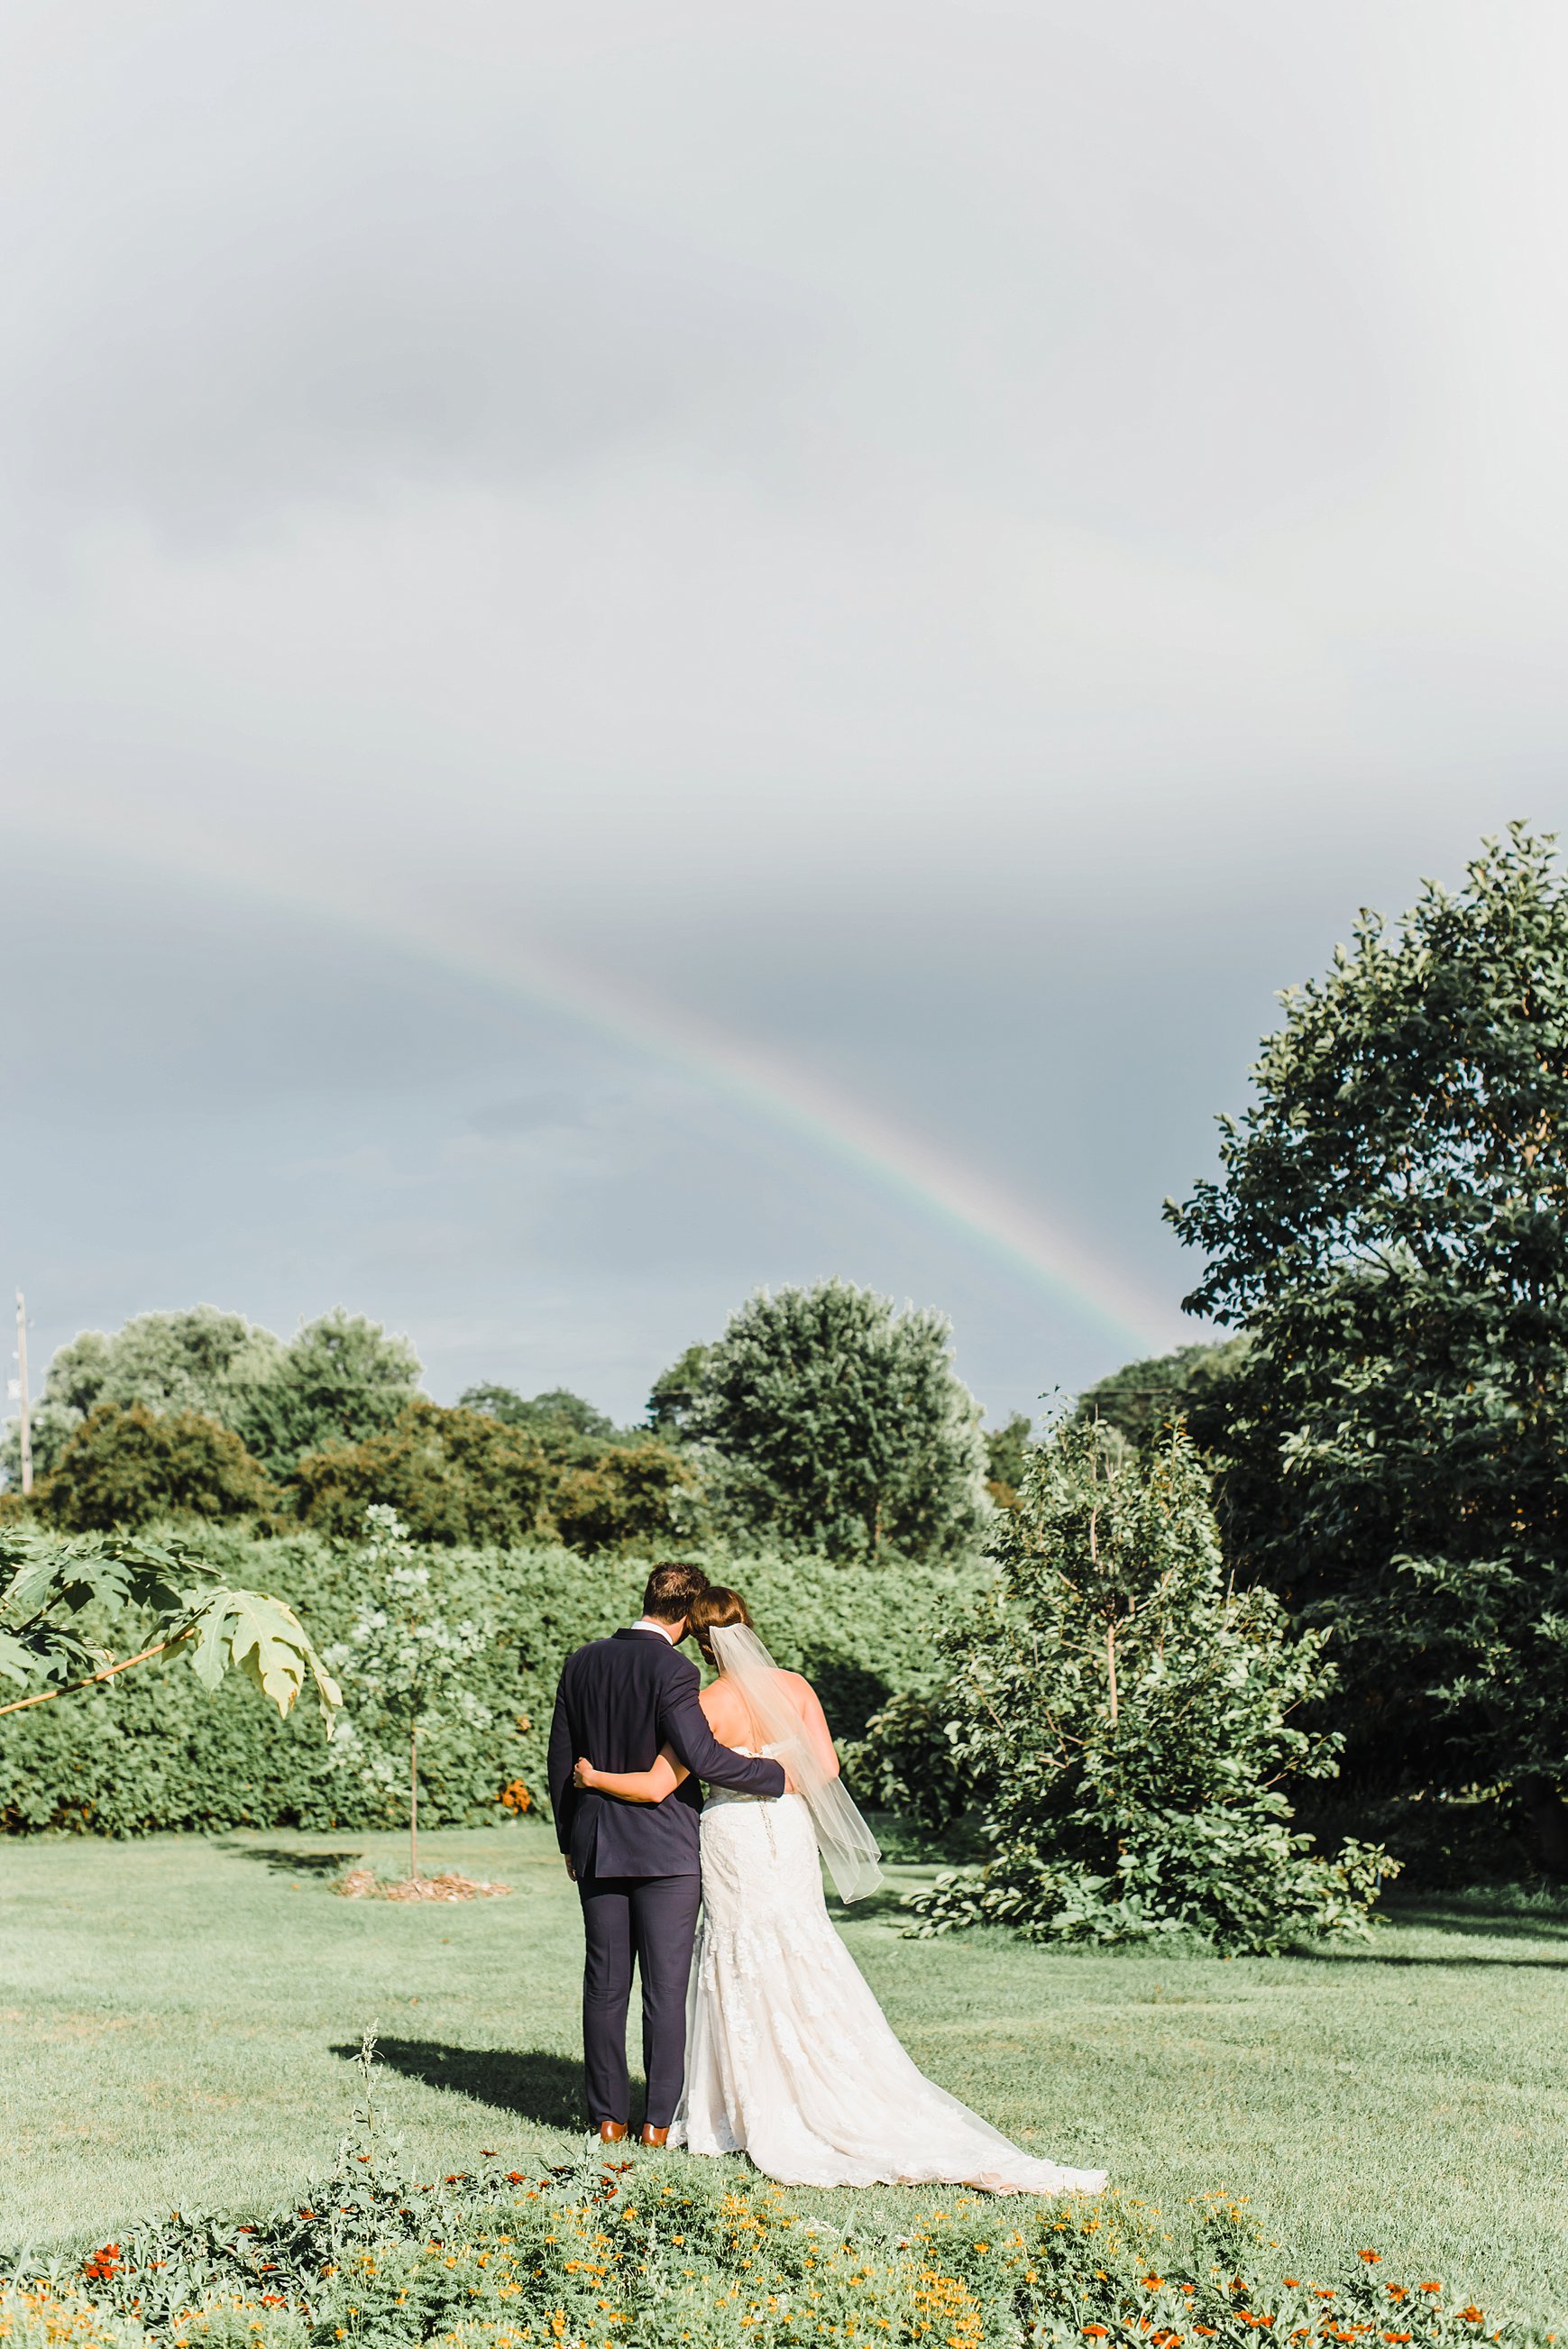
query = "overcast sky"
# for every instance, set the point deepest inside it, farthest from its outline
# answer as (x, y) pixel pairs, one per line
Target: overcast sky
(935, 554)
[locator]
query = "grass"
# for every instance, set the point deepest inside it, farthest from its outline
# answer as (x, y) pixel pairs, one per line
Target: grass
(179, 2015)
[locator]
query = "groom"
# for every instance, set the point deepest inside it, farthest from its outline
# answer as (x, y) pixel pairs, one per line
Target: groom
(636, 1864)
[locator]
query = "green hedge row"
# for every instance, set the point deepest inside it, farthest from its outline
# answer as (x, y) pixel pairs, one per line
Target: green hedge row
(154, 1751)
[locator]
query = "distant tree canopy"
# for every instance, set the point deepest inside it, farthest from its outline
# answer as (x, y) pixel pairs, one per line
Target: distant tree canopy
(675, 1392)
(1193, 1383)
(463, 1475)
(835, 1422)
(342, 1379)
(201, 1360)
(1390, 1226)
(821, 1418)
(1006, 1453)
(339, 1380)
(127, 1465)
(560, 1417)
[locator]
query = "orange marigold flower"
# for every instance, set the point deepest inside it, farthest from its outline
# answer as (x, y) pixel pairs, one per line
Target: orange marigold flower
(1292, 2283)
(1154, 2282)
(1471, 2315)
(1396, 2336)
(1371, 2258)
(1096, 2331)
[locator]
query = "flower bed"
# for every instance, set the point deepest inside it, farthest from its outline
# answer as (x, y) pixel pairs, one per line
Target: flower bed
(640, 2254)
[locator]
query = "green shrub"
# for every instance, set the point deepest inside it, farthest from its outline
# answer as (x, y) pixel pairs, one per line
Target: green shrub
(156, 1752)
(908, 1761)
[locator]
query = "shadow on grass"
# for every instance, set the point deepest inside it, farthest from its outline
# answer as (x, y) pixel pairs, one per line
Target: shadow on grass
(1497, 1925)
(282, 1860)
(883, 1907)
(1463, 1920)
(532, 2083)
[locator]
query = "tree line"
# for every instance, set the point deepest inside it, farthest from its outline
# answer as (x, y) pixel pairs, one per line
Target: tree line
(821, 1417)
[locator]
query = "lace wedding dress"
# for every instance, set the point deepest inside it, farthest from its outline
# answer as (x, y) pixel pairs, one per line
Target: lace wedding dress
(789, 2059)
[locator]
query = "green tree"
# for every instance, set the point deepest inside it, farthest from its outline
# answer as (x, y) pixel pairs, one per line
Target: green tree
(453, 1476)
(627, 1496)
(340, 1379)
(838, 1424)
(1193, 1383)
(125, 1466)
(410, 1671)
(461, 1476)
(562, 1422)
(1007, 1451)
(1128, 1719)
(675, 1392)
(203, 1360)
(1390, 1226)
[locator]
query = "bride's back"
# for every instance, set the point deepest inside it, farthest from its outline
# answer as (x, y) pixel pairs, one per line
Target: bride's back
(733, 1722)
(730, 1717)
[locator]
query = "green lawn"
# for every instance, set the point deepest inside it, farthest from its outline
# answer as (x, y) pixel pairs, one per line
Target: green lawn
(178, 2013)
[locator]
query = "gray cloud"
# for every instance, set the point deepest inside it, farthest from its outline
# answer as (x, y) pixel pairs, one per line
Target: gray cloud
(274, 264)
(956, 542)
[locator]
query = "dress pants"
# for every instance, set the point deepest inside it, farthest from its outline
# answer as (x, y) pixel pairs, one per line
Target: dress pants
(653, 1921)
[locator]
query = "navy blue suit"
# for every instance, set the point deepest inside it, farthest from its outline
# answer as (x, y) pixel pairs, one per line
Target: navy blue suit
(636, 1864)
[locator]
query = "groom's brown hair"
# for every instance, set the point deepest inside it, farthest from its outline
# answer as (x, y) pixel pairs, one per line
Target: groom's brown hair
(673, 1590)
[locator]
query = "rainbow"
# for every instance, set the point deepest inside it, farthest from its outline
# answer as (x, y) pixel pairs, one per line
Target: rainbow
(943, 1188)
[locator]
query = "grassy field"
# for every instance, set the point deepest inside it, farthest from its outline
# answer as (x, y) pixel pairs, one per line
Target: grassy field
(179, 2015)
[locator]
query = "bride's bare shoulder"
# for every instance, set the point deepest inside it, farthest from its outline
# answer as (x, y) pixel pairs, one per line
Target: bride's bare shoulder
(721, 1705)
(798, 1686)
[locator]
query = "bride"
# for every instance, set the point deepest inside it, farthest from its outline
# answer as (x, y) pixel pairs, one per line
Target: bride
(789, 2058)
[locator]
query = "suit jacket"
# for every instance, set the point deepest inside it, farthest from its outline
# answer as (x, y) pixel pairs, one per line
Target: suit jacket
(620, 1699)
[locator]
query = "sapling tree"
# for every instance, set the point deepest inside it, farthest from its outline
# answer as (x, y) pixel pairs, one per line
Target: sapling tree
(411, 1672)
(59, 1599)
(1130, 1719)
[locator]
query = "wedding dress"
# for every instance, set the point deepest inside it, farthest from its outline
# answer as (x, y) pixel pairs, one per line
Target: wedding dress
(789, 2059)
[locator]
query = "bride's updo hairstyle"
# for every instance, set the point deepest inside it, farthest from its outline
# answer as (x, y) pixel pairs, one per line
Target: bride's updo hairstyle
(715, 1609)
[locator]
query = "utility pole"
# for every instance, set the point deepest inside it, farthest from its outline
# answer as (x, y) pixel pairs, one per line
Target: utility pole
(22, 1391)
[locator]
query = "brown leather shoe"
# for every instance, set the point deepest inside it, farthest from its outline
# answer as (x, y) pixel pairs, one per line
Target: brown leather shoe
(612, 2132)
(653, 2136)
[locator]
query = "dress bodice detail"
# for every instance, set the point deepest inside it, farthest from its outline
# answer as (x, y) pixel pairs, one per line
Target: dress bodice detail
(717, 1795)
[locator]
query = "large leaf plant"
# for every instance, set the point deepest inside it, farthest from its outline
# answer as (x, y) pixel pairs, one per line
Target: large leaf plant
(57, 1598)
